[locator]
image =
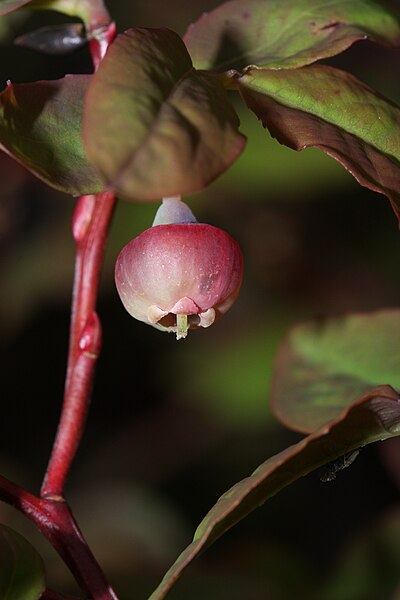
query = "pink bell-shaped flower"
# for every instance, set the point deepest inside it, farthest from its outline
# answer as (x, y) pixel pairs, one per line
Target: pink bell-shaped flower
(179, 274)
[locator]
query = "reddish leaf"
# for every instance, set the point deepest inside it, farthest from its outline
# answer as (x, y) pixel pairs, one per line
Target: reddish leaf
(330, 109)
(153, 126)
(322, 365)
(375, 416)
(7, 6)
(40, 126)
(286, 34)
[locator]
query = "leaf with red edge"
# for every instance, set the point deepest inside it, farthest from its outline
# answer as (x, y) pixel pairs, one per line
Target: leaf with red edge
(373, 417)
(322, 365)
(92, 12)
(40, 126)
(332, 110)
(7, 6)
(153, 126)
(286, 34)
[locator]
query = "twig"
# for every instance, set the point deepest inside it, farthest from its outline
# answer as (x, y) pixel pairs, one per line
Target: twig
(50, 512)
(59, 526)
(90, 226)
(56, 522)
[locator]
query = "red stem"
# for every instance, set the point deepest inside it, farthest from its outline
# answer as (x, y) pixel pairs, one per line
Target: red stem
(50, 512)
(56, 522)
(99, 41)
(90, 226)
(17, 497)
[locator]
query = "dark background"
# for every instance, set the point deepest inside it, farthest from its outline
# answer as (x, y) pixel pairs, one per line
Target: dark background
(173, 425)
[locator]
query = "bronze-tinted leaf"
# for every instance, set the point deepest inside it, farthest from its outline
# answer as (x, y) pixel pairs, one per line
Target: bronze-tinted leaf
(153, 126)
(322, 365)
(375, 416)
(332, 110)
(40, 126)
(286, 34)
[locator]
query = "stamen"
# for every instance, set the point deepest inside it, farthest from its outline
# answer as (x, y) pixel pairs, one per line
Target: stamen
(182, 326)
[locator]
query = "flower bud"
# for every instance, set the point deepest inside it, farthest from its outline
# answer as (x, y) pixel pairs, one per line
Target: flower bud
(179, 274)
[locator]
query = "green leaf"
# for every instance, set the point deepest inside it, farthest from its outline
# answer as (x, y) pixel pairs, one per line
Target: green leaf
(332, 110)
(375, 416)
(22, 574)
(286, 34)
(153, 126)
(323, 365)
(92, 12)
(40, 126)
